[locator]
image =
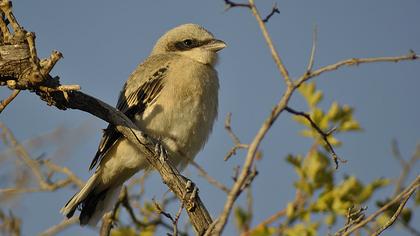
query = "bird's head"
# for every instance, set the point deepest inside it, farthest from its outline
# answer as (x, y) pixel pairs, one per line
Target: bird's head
(190, 40)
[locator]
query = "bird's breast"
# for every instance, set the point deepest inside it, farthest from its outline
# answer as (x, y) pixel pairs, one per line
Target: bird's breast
(183, 114)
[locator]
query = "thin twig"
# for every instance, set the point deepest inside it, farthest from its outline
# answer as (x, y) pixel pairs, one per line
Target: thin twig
(106, 226)
(58, 228)
(313, 50)
(231, 4)
(405, 165)
(111, 216)
(249, 160)
(174, 220)
(353, 217)
(233, 150)
(234, 137)
(324, 135)
(396, 214)
(228, 128)
(209, 178)
(24, 156)
(64, 170)
(296, 204)
(355, 61)
(7, 101)
(274, 53)
(274, 10)
(44, 183)
(400, 197)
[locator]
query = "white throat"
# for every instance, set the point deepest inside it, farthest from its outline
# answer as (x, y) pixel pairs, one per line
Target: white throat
(200, 55)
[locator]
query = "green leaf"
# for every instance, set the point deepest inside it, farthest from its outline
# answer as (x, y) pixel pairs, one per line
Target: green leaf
(242, 217)
(315, 98)
(351, 125)
(295, 161)
(330, 219)
(290, 210)
(263, 231)
(367, 191)
(124, 232)
(302, 230)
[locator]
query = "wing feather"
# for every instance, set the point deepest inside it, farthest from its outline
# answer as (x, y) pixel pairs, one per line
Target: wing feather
(131, 104)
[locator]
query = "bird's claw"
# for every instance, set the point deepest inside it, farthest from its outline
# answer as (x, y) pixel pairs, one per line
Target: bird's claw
(190, 187)
(161, 152)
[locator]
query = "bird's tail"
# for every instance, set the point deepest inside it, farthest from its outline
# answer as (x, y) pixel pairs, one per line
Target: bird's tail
(93, 201)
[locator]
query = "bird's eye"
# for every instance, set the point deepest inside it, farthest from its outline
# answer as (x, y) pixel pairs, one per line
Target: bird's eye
(188, 42)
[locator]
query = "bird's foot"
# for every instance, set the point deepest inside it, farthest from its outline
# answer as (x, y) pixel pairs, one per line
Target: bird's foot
(190, 187)
(161, 151)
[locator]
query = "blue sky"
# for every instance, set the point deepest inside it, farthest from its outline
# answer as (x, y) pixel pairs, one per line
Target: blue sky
(103, 41)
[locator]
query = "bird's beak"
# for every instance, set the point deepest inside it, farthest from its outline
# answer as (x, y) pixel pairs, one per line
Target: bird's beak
(215, 45)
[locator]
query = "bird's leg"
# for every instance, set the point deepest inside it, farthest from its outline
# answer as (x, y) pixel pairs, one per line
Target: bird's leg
(161, 151)
(190, 203)
(190, 187)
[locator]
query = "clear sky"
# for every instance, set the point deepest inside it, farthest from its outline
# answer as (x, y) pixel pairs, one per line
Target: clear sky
(103, 41)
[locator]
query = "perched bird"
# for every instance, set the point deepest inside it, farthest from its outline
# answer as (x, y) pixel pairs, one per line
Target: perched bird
(171, 96)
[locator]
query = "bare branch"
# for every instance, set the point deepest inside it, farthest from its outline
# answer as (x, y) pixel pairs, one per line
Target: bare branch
(312, 57)
(396, 214)
(209, 178)
(234, 137)
(8, 100)
(231, 4)
(399, 198)
(9, 224)
(20, 64)
(274, 53)
(44, 183)
(274, 10)
(355, 61)
(169, 216)
(228, 128)
(106, 226)
(55, 229)
(324, 135)
(405, 165)
(354, 216)
(249, 160)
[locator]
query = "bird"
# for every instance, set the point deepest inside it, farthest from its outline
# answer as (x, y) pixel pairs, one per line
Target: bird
(172, 96)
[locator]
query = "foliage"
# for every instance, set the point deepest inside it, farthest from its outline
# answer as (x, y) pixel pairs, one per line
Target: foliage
(322, 197)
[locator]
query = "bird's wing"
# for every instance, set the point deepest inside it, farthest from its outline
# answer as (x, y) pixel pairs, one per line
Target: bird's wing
(139, 92)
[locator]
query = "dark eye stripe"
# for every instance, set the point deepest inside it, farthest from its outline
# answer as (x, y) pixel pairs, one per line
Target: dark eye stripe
(184, 46)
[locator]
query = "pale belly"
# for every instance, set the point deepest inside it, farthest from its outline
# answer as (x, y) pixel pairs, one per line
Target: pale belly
(183, 128)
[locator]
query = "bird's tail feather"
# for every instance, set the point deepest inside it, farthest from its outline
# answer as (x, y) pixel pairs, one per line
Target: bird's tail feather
(97, 205)
(93, 201)
(71, 206)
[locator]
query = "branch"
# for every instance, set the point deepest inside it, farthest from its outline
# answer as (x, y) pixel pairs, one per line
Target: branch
(8, 100)
(60, 227)
(174, 220)
(243, 177)
(324, 135)
(396, 214)
(208, 177)
(405, 165)
(401, 198)
(274, 10)
(20, 68)
(355, 61)
(274, 53)
(230, 4)
(44, 183)
(236, 141)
